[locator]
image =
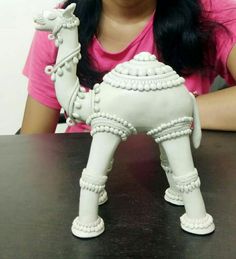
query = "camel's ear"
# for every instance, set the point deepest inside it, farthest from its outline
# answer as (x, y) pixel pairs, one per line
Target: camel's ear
(68, 12)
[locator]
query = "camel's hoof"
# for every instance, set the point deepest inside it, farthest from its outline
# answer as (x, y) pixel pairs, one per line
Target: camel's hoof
(89, 230)
(173, 197)
(102, 197)
(201, 226)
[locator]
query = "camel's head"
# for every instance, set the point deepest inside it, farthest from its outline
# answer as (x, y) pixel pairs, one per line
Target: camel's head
(50, 20)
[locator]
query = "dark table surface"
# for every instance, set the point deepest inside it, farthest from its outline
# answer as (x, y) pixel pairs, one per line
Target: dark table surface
(39, 193)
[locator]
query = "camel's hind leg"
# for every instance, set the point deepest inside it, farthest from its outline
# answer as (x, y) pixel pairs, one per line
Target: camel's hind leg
(185, 176)
(172, 195)
(88, 223)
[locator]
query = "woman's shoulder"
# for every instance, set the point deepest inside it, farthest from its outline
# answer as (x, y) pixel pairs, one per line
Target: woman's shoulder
(42, 38)
(222, 12)
(43, 48)
(216, 4)
(219, 8)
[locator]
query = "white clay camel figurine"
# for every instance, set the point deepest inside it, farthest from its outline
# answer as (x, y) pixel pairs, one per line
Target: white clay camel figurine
(142, 95)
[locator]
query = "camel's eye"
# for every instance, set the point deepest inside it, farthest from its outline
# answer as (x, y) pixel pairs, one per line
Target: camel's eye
(51, 16)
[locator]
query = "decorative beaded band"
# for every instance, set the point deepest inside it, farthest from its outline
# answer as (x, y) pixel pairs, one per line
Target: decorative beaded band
(187, 183)
(95, 226)
(96, 98)
(104, 122)
(92, 182)
(196, 223)
(103, 125)
(77, 102)
(67, 23)
(77, 89)
(91, 187)
(174, 129)
(74, 56)
(174, 195)
(149, 84)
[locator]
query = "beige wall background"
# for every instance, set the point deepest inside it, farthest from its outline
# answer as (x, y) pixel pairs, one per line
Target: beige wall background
(16, 30)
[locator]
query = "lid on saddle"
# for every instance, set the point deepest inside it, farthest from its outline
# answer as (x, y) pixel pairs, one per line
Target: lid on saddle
(143, 73)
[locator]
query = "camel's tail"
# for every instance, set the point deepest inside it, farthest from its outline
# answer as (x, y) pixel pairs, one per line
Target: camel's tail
(197, 132)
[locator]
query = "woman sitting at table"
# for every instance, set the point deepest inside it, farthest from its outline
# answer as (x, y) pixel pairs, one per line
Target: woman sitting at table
(196, 38)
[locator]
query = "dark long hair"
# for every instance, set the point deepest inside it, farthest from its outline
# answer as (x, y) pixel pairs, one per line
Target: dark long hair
(182, 33)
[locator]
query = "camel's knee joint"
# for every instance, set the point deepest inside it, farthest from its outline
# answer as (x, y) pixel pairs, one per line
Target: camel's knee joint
(187, 183)
(92, 182)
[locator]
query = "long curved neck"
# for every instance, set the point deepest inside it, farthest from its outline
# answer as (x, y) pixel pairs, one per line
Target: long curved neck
(70, 42)
(66, 48)
(64, 74)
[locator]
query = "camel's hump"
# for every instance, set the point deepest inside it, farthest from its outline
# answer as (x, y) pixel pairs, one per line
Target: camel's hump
(143, 73)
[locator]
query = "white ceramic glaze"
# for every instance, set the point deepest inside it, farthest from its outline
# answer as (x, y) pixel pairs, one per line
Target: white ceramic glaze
(140, 95)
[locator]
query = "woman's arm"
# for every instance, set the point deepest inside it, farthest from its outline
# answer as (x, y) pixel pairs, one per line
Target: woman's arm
(218, 109)
(39, 118)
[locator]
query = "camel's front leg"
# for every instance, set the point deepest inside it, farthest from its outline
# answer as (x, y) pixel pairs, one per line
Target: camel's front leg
(88, 223)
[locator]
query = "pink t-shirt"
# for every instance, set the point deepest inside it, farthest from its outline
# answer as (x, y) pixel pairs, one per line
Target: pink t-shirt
(43, 52)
